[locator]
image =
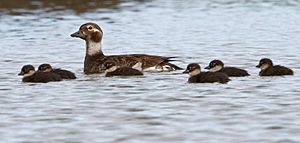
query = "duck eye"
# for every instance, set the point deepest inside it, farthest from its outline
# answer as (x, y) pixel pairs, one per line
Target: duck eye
(89, 27)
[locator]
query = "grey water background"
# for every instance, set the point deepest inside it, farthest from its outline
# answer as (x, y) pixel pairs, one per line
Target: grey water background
(158, 107)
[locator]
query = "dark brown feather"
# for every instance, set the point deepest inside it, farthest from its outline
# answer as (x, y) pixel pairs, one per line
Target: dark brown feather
(42, 77)
(209, 77)
(93, 64)
(276, 71)
(234, 72)
(65, 74)
(124, 71)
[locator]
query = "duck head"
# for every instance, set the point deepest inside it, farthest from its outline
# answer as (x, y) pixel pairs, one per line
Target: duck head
(27, 70)
(193, 69)
(89, 32)
(45, 68)
(264, 63)
(215, 65)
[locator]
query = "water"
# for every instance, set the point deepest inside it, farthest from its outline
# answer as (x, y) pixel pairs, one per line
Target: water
(158, 107)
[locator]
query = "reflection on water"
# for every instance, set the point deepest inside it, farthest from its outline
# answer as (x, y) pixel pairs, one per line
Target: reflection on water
(158, 107)
(16, 7)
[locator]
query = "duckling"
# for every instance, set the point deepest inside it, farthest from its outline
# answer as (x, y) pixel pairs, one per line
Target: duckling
(65, 74)
(268, 69)
(196, 76)
(218, 66)
(111, 69)
(30, 75)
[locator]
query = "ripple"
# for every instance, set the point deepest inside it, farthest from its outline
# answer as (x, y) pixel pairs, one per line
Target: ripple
(157, 107)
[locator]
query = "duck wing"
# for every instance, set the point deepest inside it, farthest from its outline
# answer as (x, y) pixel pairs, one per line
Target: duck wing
(149, 62)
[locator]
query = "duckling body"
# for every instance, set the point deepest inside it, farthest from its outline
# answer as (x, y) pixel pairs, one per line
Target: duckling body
(268, 69)
(209, 77)
(65, 74)
(113, 70)
(196, 76)
(218, 66)
(30, 75)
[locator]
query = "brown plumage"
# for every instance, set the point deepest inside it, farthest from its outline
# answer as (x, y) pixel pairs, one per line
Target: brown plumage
(65, 74)
(95, 58)
(230, 71)
(196, 76)
(112, 70)
(268, 69)
(30, 75)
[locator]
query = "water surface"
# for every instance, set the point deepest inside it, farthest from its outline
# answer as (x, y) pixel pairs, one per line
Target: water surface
(158, 107)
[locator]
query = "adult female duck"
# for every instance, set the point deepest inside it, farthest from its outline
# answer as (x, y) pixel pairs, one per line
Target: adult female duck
(94, 59)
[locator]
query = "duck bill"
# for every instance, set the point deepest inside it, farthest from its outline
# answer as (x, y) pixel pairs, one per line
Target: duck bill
(186, 71)
(21, 73)
(207, 68)
(258, 66)
(77, 34)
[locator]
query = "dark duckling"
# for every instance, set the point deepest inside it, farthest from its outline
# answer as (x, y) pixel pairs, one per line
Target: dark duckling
(111, 69)
(218, 66)
(65, 74)
(268, 69)
(30, 75)
(196, 76)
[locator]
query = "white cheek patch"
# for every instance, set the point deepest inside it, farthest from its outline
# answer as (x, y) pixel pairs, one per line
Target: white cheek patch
(195, 72)
(47, 70)
(30, 73)
(264, 66)
(95, 30)
(215, 69)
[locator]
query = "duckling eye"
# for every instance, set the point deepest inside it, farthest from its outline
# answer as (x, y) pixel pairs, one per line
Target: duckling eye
(89, 27)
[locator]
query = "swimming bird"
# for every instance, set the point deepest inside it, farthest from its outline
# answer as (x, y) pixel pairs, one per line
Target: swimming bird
(30, 75)
(196, 76)
(95, 58)
(268, 69)
(218, 66)
(65, 74)
(111, 69)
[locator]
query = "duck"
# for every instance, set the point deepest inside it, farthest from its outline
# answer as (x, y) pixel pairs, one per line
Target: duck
(30, 75)
(95, 58)
(111, 69)
(218, 66)
(268, 69)
(196, 76)
(65, 74)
